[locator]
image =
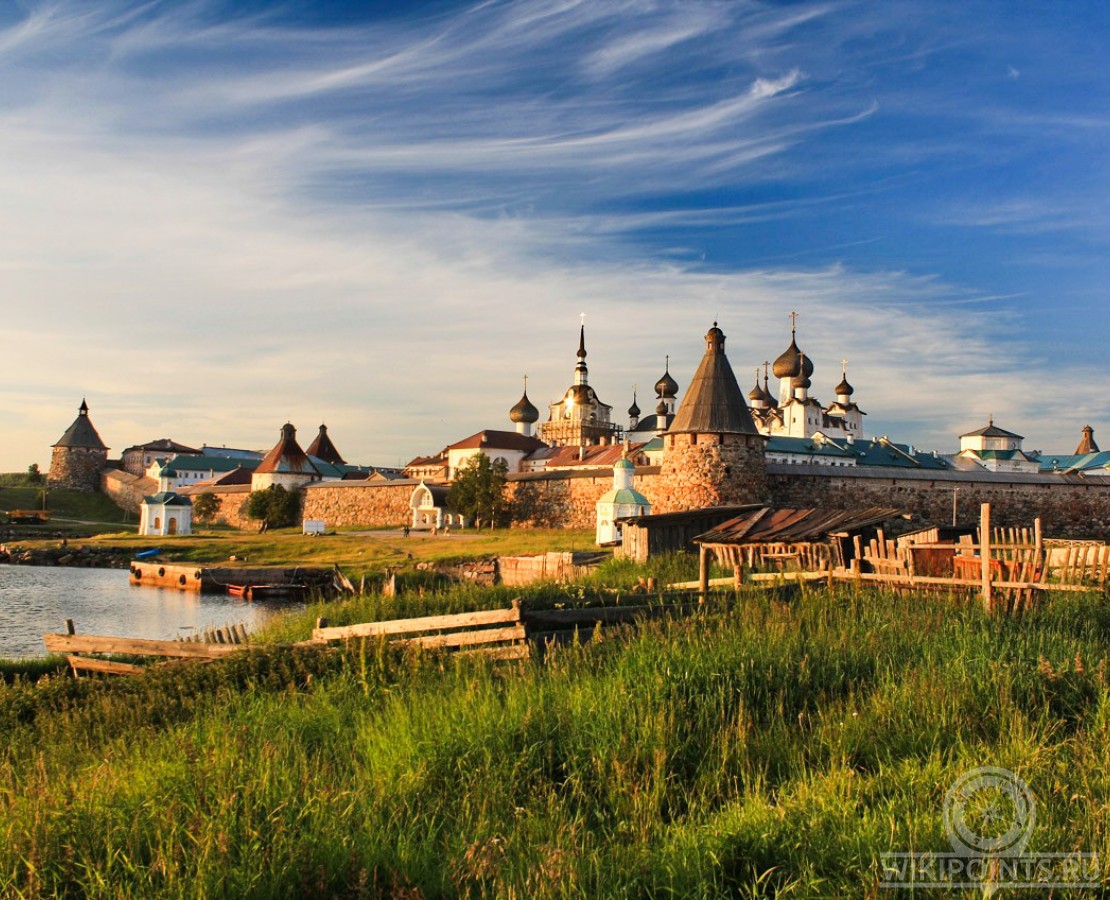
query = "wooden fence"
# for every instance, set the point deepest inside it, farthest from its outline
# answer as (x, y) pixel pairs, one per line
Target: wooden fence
(1007, 567)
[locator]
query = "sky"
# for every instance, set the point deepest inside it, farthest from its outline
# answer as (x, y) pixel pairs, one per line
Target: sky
(217, 217)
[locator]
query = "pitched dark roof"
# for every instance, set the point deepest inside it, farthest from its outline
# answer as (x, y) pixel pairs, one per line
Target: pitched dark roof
(992, 430)
(81, 433)
(498, 440)
(287, 457)
(167, 498)
(323, 448)
(714, 402)
(164, 445)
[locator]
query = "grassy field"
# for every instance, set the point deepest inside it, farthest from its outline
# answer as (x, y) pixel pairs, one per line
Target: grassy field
(68, 509)
(357, 552)
(774, 750)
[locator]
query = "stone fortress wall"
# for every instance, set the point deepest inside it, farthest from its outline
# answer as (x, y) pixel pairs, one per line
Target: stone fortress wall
(1068, 507)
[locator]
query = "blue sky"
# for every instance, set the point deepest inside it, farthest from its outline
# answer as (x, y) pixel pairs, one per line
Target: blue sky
(215, 218)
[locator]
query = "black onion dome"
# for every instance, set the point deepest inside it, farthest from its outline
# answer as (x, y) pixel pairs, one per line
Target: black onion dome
(756, 393)
(524, 411)
(634, 410)
(667, 386)
(788, 364)
(844, 389)
(801, 381)
(661, 408)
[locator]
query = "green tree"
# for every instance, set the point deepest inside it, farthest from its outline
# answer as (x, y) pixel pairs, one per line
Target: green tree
(205, 507)
(479, 489)
(34, 476)
(274, 507)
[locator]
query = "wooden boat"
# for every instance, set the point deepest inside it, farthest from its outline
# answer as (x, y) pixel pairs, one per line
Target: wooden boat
(267, 591)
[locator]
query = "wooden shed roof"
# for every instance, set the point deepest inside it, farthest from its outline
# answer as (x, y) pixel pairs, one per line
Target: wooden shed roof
(768, 525)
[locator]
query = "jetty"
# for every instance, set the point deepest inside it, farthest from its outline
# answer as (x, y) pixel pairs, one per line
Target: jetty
(222, 579)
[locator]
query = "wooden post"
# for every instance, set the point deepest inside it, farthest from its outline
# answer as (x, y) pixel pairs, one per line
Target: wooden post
(738, 576)
(985, 554)
(703, 572)
(389, 589)
(70, 629)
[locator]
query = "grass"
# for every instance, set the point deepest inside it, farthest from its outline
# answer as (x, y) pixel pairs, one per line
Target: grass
(776, 750)
(358, 553)
(67, 508)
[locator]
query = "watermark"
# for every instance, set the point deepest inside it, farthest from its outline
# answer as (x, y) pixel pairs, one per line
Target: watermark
(989, 816)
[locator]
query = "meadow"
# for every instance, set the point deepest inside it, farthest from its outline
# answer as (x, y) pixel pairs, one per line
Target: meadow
(774, 748)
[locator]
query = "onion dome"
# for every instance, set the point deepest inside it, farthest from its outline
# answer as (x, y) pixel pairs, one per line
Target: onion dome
(524, 411)
(667, 386)
(756, 393)
(801, 379)
(844, 389)
(789, 363)
(634, 410)
(661, 408)
(768, 397)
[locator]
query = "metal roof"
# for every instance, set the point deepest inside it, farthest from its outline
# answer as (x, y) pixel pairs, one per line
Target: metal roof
(992, 430)
(768, 525)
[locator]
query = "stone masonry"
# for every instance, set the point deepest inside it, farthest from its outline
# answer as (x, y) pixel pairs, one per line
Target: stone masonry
(77, 468)
(702, 470)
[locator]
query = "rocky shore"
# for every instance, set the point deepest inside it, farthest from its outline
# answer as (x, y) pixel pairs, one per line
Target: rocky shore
(76, 556)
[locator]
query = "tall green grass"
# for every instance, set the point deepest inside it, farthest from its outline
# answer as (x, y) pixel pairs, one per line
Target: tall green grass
(774, 750)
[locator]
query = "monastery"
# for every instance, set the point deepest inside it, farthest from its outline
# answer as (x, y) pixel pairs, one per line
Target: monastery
(582, 468)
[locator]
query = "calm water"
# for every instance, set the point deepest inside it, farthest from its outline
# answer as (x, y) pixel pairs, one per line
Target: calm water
(36, 599)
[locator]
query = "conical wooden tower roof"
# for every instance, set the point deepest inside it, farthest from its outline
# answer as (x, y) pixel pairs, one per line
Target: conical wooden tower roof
(714, 402)
(323, 448)
(287, 457)
(81, 433)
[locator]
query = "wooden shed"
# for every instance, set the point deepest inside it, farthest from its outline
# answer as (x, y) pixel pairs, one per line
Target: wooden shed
(792, 539)
(644, 536)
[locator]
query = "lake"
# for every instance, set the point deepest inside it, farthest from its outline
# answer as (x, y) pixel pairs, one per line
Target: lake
(37, 599)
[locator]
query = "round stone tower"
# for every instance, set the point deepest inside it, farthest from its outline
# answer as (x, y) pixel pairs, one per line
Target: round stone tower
(79, 456)
(713, 455)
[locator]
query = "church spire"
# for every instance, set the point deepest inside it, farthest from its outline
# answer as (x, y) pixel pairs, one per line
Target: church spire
(580, 372)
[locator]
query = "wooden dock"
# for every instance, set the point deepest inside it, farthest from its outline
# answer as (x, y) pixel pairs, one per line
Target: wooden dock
(217, 580)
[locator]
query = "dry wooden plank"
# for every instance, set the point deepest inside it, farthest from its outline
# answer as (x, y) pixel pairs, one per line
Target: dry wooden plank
(88, 643)
(787, 577)
(90, 664)
(467, 638)
(410, 626)
(901, 580)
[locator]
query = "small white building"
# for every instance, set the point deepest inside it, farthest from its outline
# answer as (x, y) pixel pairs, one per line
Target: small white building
(509, 446)
(622, 502)
(997, 450)
(166, 513)
(429, 508)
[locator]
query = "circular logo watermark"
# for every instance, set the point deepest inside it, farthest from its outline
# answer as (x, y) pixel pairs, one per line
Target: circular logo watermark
(989, 810)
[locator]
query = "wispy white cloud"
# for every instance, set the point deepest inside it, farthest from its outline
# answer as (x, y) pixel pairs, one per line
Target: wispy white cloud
(212, 224)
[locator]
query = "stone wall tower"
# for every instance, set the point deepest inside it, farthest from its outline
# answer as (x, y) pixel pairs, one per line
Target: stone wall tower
(713, 455)
(79, 456)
